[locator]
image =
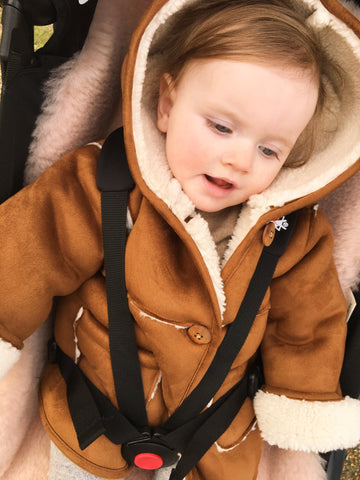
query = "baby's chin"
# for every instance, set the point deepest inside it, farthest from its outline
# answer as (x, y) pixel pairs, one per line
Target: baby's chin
(206, 208)
(213, 205)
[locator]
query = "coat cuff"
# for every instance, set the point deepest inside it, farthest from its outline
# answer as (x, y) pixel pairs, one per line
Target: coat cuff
(9, 355)
(309, 426)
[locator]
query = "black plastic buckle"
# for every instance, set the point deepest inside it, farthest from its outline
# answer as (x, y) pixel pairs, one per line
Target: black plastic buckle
(52, 351)
(149, 452)
(255, 379)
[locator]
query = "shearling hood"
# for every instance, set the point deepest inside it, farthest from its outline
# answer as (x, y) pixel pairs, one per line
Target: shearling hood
(335, 158)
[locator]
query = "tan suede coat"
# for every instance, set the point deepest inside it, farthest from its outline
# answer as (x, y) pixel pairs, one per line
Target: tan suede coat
(180, 294)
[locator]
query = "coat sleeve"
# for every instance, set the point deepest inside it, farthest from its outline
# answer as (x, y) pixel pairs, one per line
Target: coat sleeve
(50, 243)
(301, 406)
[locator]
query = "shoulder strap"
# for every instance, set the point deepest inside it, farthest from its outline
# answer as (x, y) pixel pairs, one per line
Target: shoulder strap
(114, 181)
(113, 174)
(237, 331)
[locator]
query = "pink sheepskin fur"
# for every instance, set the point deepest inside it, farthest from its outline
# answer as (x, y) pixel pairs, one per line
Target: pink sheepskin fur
(83, 104)
(24, 446)
(342, 208)
(83, 100)
(280, 464)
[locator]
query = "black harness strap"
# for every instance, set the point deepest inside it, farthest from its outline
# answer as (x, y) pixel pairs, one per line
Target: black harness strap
(214, 421)
(84, 412)
(92, 412)
(236, 334)
(192, 428)
(115, 182)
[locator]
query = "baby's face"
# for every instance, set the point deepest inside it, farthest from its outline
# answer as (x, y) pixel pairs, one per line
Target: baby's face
(230, 126)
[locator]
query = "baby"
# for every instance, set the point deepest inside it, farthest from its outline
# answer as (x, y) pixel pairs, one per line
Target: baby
(233, 143)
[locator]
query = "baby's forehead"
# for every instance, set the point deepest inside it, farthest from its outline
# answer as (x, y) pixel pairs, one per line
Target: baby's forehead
(240, 86)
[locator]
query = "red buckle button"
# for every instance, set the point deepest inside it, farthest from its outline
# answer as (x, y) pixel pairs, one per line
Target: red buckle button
(148, 461)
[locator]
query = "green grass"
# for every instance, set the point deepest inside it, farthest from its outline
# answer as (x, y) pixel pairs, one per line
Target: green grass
(41, 34)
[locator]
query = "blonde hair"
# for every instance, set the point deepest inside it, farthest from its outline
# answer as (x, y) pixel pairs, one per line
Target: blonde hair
(260, 31)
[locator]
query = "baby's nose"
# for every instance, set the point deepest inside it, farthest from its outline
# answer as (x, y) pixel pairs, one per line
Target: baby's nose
(240, 159)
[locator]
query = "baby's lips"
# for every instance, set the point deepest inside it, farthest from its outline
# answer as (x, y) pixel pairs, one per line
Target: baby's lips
(220, 182)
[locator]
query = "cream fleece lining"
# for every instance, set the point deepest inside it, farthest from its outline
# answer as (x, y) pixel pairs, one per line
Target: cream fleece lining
(221, 226)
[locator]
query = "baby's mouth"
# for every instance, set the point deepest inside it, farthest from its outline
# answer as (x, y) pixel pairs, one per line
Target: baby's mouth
(220, 182)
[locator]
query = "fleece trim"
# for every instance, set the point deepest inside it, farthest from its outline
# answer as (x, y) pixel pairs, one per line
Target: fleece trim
(9, 355)
(309, 426)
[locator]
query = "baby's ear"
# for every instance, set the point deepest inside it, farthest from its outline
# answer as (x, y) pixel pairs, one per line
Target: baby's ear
(166, 101)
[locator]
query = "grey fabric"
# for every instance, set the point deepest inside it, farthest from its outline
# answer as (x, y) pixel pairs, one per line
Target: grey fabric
(163, 473)
(61, 468)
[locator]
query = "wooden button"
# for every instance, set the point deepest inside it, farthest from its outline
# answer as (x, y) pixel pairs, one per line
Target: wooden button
(199, 334)
(268, 234)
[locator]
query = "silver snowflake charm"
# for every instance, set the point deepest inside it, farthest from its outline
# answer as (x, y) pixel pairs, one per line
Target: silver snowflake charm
(280, 223)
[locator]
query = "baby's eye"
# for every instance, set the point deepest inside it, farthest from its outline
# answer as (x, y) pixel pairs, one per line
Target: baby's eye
(219, 127)
(268, 152)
